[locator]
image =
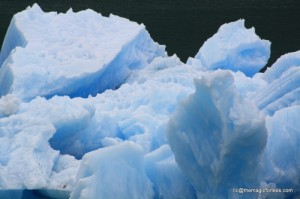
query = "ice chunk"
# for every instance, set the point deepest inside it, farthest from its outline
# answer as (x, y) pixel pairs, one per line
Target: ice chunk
(75, 54)
(282, 151)
(235, 48)
(113, 172)
(168, 179)
(217, 137)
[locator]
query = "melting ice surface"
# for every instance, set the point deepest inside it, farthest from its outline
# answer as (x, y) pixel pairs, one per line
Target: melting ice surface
(92, 107)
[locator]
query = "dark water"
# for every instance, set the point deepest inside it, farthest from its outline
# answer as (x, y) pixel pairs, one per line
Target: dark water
(182, 25)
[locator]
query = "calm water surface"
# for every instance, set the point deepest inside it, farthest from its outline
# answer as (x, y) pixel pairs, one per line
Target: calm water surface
(183, 26)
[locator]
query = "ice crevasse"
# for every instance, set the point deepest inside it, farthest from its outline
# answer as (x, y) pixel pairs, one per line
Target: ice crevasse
(92, 107)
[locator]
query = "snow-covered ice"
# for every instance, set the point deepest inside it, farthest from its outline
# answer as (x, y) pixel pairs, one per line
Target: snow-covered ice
(92, 107)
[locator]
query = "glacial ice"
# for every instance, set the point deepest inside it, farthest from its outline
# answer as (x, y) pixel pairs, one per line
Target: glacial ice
(284, 63)
(217, 135)
(25, 138)
(282, 151)
(169, 181)
(236, 48)
(91, 107)
(9, 104)
(106, 170)
(283, 81)
(42, 58)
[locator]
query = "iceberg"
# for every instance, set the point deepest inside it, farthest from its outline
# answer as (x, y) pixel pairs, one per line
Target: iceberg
(92, 107)
(72, 54)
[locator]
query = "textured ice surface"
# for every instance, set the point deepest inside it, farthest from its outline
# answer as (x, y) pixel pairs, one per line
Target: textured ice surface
(25, 150)
(119, 167)
(9, 104)
(282, 65)
(217, 137)
(75, 54)
(283, 84)
(236, 48)
(131, 122)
